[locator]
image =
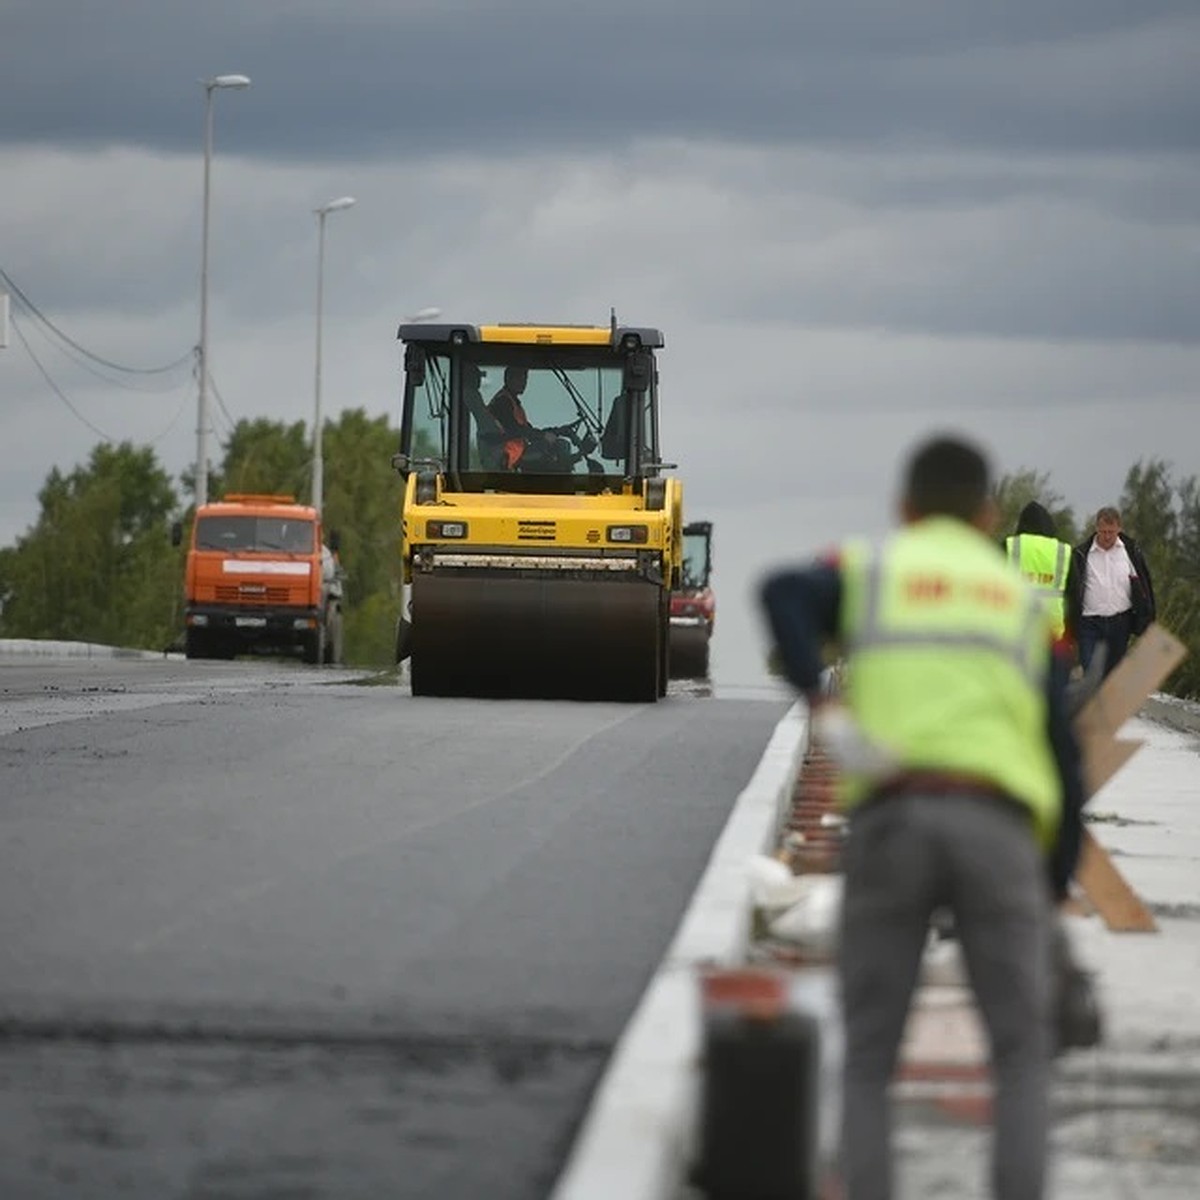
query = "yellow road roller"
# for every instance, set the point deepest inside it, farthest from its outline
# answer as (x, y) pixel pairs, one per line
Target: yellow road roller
(540, 534)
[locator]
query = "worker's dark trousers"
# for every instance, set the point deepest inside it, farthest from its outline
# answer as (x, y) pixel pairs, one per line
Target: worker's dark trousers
(907, 855)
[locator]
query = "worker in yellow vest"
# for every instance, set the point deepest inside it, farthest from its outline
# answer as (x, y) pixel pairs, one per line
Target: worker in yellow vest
(1045, 561)
(960, 774)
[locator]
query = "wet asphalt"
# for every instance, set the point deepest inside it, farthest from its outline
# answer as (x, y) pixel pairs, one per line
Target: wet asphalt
(269, 932)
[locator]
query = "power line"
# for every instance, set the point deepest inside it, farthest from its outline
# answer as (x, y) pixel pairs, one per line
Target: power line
(45, 374)
(54, 386)
(106, 362)
(128, 385)
(170, 424)
(84, 358)
(212, 383)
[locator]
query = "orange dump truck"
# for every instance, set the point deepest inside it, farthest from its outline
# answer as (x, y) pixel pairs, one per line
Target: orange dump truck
(260, 576)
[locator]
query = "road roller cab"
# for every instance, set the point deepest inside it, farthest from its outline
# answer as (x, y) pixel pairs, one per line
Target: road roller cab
(693, 605)
(540, 537)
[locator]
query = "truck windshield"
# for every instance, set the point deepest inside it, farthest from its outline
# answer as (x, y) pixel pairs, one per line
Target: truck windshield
(286, 534)
(695, 560)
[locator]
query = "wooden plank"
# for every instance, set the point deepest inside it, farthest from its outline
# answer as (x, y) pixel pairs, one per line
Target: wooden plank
(1103, 758)
(1150, 660)
(1119, 905)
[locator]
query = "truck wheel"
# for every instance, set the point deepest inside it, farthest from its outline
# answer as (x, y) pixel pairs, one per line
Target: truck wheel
(334, 648)
(196, 644)
(314, 646)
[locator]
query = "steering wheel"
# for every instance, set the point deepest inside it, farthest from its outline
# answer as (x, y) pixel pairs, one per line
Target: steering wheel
(569, 430)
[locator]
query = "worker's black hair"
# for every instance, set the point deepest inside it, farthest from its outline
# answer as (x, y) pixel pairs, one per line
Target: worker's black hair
(949, 477)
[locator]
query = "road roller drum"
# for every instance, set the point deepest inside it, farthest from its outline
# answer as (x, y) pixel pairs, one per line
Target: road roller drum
(571, 639)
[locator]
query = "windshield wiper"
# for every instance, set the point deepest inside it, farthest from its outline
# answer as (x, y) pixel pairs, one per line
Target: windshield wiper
(591, 420)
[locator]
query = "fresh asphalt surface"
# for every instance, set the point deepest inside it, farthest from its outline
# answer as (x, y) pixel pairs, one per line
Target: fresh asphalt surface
(269, 931)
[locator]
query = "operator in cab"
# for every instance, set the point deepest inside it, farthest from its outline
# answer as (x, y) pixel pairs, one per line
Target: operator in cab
(526, 448)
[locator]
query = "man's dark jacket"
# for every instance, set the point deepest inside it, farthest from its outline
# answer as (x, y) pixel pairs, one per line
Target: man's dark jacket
(1141, 588)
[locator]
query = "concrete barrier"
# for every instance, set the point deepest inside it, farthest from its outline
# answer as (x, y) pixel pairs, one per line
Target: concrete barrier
(46, 648)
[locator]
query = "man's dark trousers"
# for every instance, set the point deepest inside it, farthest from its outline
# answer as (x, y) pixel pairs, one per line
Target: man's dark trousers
(1111, 632)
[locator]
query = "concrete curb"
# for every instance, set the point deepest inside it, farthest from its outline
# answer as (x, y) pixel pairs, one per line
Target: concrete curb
(1183, 715)
(40, 648)
(636, 1139)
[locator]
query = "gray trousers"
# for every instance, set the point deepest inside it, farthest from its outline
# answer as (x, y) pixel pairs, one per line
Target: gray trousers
(906, 856)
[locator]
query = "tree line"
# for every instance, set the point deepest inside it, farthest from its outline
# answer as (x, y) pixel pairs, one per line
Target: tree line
(98, 564)
(1162, 513)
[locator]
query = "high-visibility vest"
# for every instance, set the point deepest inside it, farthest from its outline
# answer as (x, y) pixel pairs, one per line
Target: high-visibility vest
(1044, 561)
(947, 658)
(514, 447)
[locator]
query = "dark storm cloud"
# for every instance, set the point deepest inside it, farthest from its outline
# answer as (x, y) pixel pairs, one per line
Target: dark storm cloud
(1036, 271)
(365, 78)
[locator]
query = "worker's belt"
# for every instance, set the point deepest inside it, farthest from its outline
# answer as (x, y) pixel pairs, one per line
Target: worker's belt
(946, 783)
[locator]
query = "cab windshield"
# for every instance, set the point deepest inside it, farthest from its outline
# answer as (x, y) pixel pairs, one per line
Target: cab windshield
(695, 560)
(278, 534)
(527, 413)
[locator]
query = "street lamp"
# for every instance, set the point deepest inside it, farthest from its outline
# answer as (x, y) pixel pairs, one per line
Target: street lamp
(423, 314)
(210, 86)
(318, 467)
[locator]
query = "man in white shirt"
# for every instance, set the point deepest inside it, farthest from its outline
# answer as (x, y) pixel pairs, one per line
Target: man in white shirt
(1112, 598)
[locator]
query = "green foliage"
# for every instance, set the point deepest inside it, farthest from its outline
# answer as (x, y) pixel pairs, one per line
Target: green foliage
(1015, 491)
(266, 456)
(1164, 518)
(362, 502)
(1187, 538)
(1148, 514)
(98, 565)
(371, 631)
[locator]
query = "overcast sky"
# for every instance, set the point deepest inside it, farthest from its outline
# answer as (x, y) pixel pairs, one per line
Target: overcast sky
(856, 223)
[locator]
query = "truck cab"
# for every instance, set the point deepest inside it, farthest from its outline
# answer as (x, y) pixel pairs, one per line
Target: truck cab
(260, 575)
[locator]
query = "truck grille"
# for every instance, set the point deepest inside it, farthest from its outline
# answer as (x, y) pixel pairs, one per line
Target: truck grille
(227, 594)
(536, 531)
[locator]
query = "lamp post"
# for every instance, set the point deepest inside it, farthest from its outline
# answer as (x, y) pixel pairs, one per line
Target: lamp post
(423, 314)
(318, 467)
(210, 85)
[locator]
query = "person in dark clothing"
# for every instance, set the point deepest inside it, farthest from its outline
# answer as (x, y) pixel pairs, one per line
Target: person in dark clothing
(1046, 561)
(1110, 597)
(526, 448)
(490, 435)
(960, 772)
